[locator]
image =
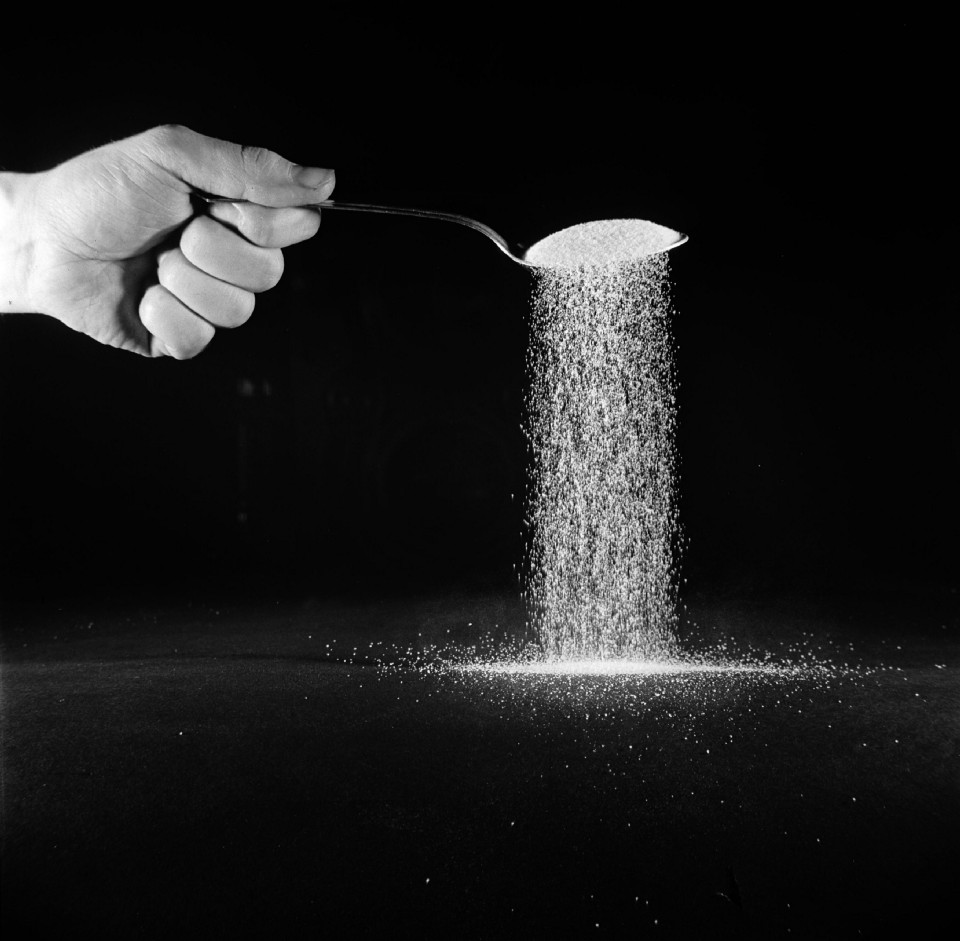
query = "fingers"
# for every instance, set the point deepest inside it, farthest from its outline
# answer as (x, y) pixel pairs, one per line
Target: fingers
(183, 310)
(176, 330)
(219, 303)
(213, 248)
(211, 279)
(226, 169)
(269, 228)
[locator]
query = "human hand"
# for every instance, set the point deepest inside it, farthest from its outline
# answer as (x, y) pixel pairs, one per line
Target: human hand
(116, 250)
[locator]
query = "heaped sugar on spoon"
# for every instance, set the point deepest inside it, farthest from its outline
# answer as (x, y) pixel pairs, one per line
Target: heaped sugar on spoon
(605, 242)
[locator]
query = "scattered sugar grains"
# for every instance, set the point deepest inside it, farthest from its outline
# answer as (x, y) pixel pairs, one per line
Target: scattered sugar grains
(714, 691)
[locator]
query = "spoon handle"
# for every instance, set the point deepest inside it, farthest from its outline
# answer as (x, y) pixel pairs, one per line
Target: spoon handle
(393, 211)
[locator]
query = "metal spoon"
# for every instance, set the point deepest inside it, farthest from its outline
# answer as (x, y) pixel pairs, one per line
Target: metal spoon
(513, 250)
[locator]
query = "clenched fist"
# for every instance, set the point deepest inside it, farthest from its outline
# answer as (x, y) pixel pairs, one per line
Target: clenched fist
(112, 243)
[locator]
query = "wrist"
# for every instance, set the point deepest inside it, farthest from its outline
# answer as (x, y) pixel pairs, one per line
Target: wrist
(16, 242)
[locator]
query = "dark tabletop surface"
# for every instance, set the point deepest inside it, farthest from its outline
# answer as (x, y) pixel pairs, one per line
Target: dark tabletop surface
(201, 768)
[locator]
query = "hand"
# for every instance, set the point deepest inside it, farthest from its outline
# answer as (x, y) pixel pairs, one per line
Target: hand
(104, 253)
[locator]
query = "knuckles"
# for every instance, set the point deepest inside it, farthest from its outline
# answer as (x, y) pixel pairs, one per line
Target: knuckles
(194, 235)
(239, 310)
(168, 136)
(254, 157)
(219, 302)
(213, 248)
(258, 161)
(259, 228)
(182, 333)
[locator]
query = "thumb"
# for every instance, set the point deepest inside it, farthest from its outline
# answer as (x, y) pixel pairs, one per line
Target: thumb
(220, 168)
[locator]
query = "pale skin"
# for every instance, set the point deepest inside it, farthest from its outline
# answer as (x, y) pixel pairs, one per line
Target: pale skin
(113, 245)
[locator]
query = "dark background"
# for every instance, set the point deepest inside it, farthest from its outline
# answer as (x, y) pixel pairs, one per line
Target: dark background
(363, 431)
(211, 755)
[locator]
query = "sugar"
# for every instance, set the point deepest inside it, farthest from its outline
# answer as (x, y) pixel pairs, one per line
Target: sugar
(600, 424)
(602, 243)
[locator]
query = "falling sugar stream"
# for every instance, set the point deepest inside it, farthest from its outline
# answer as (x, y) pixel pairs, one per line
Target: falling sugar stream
(601, 413)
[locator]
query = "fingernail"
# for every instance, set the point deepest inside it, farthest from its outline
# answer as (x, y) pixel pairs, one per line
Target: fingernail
(316, 178)
(327, 188)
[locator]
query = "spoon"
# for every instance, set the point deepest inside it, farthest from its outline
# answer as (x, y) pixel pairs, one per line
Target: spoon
(589, 243)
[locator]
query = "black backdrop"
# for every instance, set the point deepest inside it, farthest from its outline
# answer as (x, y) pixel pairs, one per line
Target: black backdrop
(363, 430)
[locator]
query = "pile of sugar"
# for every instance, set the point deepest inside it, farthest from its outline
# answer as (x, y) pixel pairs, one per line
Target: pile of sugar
(603, 528)
(601, 244)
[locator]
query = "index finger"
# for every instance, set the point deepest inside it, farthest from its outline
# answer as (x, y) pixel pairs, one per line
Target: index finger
(265, 226)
